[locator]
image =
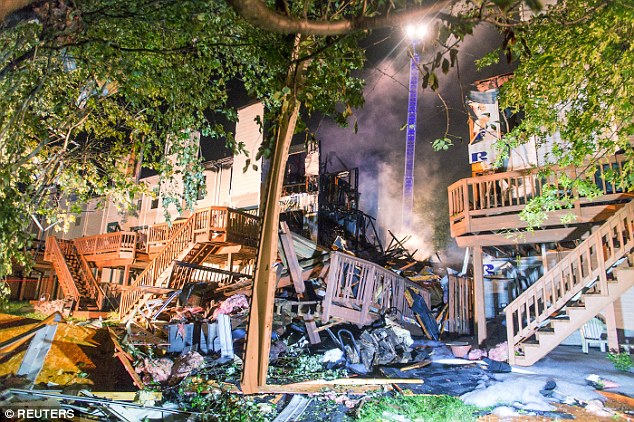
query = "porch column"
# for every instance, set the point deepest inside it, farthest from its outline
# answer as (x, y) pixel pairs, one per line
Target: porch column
(478, 292)
(126, 276)
(610, 322)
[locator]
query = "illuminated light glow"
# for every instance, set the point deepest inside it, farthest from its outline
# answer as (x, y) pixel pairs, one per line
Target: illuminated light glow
(416, 32)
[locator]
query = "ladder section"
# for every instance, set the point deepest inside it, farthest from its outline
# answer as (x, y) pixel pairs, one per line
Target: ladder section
(55, 255)
(73, 271)
(583, 272)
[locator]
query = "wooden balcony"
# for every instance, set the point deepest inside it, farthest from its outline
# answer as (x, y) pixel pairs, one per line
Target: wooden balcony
(483, 209)
(110, 249)
(220, 225)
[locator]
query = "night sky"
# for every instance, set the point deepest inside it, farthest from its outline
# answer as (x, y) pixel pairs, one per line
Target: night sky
(378, 147)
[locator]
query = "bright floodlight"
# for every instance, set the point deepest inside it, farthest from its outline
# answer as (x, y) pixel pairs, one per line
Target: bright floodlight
(416, 32)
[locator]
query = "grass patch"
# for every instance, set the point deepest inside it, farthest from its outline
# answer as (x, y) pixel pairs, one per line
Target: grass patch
(23, 309)
(417, 408)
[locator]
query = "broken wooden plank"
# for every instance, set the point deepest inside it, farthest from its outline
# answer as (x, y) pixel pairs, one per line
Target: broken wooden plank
(311, 329)
(126, 360)
(290, 256)
(336, 321)
(359, 381)
(127, 395)
(320, 389)
(417, 365)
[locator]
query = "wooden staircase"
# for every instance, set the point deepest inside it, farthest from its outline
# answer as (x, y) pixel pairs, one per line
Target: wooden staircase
(74, 274)
(193, 241)
(588, 279)
(157, 273)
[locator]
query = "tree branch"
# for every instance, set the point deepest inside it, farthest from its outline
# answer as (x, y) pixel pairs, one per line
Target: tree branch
(258, 14)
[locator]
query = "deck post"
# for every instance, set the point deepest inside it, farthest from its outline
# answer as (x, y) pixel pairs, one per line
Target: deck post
(126, 275)
(478, 291)
(610, 322)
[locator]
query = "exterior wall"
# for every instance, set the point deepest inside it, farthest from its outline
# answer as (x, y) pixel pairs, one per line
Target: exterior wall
(218, 184)
(226, 185)
(245, 186)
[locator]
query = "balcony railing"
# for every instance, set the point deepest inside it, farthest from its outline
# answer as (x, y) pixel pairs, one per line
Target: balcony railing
(359, 291)
(117, 244)
(473, 198)
(221, 224)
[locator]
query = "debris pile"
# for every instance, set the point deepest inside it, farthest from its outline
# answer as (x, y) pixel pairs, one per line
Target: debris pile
(348, 329)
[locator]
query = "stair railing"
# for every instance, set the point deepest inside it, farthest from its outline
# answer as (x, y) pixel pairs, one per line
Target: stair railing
(205, 220)
(93, 286)
(586, 264)
(183, 272)
(159, 234)
(178, 243)
(55, 255)
(244, 225)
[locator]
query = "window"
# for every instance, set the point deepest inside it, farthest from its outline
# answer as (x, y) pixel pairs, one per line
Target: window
(138, 204)
(78, 221)
(202, 189)
(155, 200)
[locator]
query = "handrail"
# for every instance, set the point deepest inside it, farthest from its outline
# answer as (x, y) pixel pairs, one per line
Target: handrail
(55, 255)
(575, 272)
(107, 243)
(200, 274)
(510, 191)
(93, 286)
(356, 287)
(158, 234)
(244, 225)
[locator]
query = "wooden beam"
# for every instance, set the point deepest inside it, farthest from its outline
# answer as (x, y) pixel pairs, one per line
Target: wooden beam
(503, 239)
(478, 291)
(126, 275)
(292, 263)
(610, 322)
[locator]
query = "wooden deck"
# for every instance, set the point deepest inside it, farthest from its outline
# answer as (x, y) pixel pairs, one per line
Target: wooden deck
(483, 209)
(109, 249)
(205, 233)
(218, 225)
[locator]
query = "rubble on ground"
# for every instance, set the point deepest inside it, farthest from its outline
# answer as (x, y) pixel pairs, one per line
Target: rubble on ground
(191, 351)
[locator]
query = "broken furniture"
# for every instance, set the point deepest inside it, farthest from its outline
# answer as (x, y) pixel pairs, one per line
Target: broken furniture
(359, 291)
